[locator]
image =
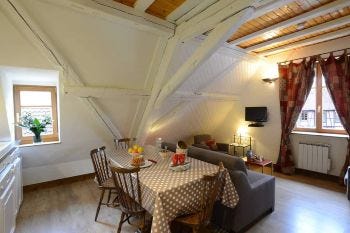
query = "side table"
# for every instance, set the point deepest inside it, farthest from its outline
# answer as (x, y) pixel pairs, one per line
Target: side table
(259, 163)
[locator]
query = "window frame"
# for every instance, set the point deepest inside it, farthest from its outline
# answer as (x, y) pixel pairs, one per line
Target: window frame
(17, 109)
(319, 108)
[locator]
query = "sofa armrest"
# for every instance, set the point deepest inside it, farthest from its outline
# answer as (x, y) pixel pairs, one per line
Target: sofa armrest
(201, 146)
(222, 147)
(241, 182)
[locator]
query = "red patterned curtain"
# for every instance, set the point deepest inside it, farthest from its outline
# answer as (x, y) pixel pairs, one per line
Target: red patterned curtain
(295, 85)
(337, 77)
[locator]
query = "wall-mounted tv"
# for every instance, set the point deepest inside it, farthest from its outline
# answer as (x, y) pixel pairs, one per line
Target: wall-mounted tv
(256, 114)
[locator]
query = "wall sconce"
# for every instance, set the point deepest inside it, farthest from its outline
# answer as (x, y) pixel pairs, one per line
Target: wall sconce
(269, 80)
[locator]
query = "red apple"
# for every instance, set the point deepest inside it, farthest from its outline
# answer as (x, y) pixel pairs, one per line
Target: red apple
(175, 159)
(181, 158)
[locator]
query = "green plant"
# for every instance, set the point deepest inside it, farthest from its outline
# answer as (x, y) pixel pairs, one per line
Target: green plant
(34, 124)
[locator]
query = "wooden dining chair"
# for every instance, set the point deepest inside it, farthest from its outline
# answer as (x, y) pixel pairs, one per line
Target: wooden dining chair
(200, 220)
(124, 143)
(103, 176)
(127, 182)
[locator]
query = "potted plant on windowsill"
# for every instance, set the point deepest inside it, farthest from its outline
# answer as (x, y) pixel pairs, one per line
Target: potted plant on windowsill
(35, 125)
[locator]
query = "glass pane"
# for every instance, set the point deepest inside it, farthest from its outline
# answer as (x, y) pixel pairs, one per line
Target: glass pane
(40, 113)
(35, 98)
(307, 117)
(330, 118)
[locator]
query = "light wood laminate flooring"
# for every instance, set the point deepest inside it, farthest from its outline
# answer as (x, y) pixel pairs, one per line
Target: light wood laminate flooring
(70, 208)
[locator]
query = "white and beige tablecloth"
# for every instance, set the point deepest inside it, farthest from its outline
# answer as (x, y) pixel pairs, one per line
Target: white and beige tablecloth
(167, 194)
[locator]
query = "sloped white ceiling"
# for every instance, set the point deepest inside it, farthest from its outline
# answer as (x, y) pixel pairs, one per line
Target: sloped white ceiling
(107, 54)
(102, 52)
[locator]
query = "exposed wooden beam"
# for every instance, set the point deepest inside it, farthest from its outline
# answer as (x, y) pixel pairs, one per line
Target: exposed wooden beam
(310, 41)
(214, 40)
(40, 40)
(321, 27)
(182, 9)
(205, 95)
(264, 7)
(210, 22)
(152, 72)
(157, 84)
(325, 9)
(119, 13)
(196, 10)
(207, 14)
(105, 92)
(142, 5)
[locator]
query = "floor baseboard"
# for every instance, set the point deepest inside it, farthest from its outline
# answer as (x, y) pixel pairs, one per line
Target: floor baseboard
(53, 183)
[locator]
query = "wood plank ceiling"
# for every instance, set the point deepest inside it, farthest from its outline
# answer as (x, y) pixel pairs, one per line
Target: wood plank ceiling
(162, 8)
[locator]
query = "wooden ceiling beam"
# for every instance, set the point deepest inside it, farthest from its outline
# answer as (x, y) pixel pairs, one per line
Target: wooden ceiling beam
(218, 12)
(310, 41)
(185, 7)
(121, 14)
(214, 40)
(318, 28)
(31, 30)
(196, 10)
(145, 123)
(325, 9)
(142, 5)
(105, 92)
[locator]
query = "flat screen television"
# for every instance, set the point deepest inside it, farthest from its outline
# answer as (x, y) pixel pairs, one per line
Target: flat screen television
(256, 114)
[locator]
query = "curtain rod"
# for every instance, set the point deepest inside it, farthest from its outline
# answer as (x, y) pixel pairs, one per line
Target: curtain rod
(312, 55)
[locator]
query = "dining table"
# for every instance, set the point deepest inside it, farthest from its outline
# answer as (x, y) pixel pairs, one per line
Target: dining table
(167, 194)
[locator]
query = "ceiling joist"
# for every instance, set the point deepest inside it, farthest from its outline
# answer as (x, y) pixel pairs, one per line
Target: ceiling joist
(196, 10)
(310, 41)
(205, 95)
(320, 27)
(214, 40)
(142, 5)
(325, 9)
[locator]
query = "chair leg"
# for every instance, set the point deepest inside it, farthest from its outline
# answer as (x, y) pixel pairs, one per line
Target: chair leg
(109, 196)
(121, 222)
(99, 204)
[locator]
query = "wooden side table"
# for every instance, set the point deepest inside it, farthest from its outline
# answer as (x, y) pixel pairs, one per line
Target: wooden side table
(259, 163)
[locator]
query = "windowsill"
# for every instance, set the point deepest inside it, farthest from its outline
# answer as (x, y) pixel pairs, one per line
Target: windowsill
(39, 144)
(322, 134)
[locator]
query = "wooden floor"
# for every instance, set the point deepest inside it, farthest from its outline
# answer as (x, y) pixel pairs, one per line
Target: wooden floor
(300, 207)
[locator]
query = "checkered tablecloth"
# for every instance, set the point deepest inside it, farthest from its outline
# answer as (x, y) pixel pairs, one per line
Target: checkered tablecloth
(167, 194)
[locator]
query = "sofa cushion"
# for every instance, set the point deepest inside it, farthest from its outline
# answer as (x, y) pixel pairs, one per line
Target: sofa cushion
(199, 139)
(169, 146)
(211, 144)
(230, 162)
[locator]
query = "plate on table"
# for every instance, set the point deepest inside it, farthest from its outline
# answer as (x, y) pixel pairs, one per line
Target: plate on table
(146, 164)
(180, 168)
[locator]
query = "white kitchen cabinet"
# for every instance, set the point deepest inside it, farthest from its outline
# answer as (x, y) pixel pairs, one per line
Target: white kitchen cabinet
(7, 202)
(18, 191)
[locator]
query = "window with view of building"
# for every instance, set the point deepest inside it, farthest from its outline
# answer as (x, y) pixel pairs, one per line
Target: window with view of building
(318, 113)
(40, 102)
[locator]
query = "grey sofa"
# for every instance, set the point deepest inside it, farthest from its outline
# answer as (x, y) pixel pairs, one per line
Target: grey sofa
(199, 139)
(256, 191)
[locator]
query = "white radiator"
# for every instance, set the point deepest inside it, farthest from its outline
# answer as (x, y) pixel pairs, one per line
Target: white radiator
(314, 157)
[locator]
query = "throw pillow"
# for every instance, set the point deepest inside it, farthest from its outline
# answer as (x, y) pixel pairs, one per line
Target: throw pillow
(212, 144)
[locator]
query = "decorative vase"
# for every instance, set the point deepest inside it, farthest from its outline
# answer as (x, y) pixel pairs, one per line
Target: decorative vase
(37, 138)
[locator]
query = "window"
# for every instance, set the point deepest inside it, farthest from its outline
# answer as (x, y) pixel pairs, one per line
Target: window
(39, 101)
(318, 113)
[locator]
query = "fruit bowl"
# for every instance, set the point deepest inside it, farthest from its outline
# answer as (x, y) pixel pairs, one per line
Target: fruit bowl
(137, 160)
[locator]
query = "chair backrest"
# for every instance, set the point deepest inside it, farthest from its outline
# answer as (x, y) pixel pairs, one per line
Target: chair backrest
(127, 182)
(124, 143)
(100, 162)
(210, 191)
